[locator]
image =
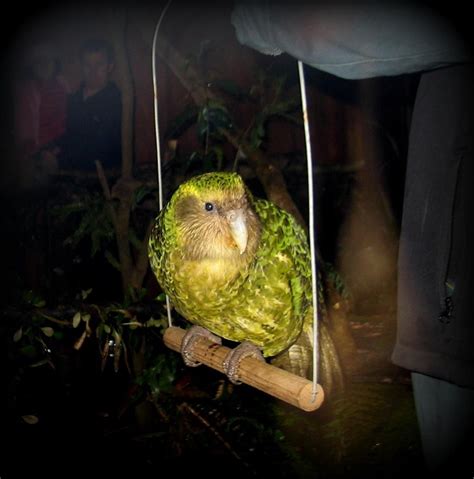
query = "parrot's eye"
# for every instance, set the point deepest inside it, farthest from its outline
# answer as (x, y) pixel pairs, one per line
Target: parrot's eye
(209, 206)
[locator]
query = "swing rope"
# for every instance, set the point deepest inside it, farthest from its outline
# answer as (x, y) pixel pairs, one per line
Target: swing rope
(314, 287)
(157, 134)
(315, 358)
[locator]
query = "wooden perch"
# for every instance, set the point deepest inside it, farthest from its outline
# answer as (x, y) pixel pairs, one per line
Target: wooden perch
(277, 382)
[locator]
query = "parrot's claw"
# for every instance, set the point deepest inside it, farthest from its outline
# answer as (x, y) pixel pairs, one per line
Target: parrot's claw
(187, 345)
(233, 359)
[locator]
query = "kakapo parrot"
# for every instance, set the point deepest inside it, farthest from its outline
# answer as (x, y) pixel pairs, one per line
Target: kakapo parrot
(239, 268)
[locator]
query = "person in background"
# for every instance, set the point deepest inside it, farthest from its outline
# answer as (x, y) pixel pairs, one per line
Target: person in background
(40, 109)
(40, 103)
(93, 119)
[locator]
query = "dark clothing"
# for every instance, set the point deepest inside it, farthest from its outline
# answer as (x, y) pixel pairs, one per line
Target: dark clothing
(445, 414)
(436, 260)
(93, 130)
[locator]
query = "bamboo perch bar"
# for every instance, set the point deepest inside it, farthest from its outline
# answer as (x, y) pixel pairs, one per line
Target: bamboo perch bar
(277, 382)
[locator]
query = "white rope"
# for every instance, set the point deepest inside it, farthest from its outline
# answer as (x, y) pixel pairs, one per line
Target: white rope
(157, 134)
(309, 160)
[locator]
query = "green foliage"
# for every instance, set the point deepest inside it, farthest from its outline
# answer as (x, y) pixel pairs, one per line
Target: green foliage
(88, 218)
(143, 192)
(212, 117)
(210, 160)
(160, 376)
(269, 97)
(210, 120)
(32, 299)
(119, 331)
(92, 216)
(333, 279)
(34, 334)
(272, 99)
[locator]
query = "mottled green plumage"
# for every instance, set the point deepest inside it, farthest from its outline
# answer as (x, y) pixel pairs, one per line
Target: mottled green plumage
(262, 295)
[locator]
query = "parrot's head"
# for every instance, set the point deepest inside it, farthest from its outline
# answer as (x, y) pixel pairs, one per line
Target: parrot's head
(215, 219)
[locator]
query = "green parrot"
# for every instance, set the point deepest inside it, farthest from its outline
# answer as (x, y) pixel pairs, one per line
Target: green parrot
(239, 268)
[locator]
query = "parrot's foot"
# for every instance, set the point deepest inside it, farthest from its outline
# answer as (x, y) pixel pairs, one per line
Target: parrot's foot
(232, 360)
(187, 345)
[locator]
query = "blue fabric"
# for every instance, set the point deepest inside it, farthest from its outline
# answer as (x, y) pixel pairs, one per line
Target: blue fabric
(352, 41)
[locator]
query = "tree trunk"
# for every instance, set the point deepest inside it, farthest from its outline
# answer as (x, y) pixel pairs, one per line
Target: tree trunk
(132, 271)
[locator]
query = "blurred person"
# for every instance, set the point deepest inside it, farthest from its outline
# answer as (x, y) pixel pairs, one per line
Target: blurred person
(40, 101)
(93, 119)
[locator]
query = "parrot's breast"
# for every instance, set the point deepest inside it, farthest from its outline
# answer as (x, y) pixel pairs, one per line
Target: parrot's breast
(238, 303)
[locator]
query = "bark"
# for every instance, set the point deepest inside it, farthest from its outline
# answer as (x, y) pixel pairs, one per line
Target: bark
(133, 269)
(125, 82)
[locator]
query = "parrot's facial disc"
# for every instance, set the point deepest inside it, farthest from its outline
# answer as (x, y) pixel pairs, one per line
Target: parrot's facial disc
(217, 225)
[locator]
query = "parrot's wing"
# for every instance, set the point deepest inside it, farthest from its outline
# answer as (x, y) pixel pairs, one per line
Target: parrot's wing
(284, 239)
(159, 246)
(285, 235)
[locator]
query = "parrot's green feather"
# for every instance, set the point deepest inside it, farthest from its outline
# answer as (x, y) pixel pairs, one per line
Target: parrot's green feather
(262, 296)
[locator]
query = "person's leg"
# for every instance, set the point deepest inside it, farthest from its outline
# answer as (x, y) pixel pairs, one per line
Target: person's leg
(445, 415)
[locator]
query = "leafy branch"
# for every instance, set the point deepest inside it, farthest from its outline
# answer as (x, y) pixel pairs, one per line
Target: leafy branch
(268, 173)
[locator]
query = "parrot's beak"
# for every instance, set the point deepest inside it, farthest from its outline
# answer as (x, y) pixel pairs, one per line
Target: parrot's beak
(238, 228)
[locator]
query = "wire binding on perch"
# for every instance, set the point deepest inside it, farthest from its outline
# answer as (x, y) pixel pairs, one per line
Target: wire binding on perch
(295, 390)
